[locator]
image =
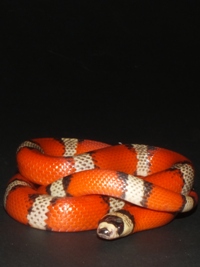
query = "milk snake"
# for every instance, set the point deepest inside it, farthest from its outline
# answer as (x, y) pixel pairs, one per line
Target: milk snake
(69, 185)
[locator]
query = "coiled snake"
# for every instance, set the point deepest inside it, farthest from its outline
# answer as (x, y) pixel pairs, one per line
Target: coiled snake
(69, 185)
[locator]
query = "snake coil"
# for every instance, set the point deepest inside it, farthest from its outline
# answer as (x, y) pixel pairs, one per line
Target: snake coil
(69, 185)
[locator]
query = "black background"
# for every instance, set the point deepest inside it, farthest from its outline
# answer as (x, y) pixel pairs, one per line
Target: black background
(113, 71)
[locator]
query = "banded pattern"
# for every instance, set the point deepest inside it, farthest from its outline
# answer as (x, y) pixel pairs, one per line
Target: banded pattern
(85, 184)
(144, 163)
(38, 214)
(187, 173)
(83, 162)
(70, 145)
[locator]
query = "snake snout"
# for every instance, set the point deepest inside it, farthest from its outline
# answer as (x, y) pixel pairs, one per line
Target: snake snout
(107, 231)
(115, 225)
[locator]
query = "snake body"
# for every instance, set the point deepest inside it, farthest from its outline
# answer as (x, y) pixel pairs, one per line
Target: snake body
(69, 185)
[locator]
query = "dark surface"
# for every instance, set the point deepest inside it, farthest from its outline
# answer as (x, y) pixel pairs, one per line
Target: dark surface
(110, 71)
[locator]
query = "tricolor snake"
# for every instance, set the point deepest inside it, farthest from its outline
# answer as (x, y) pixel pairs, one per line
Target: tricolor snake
(69, 185)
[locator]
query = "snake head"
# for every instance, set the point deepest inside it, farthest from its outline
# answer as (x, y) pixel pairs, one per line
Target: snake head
(115, 225)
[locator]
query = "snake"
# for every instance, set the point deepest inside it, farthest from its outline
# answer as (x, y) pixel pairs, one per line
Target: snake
(73, 185)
